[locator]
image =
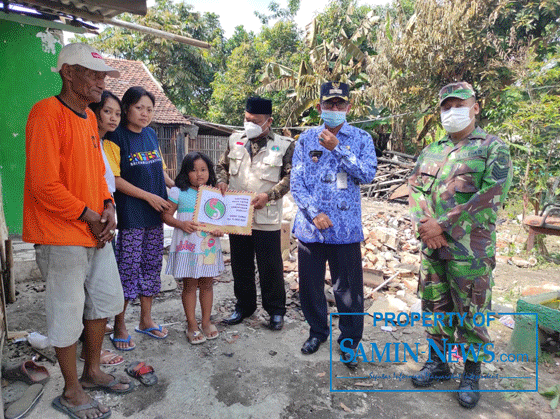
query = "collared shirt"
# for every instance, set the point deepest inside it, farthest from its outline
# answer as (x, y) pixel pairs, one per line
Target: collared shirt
(328, 182)
(64, 173)
(278, 190)
(461, 186)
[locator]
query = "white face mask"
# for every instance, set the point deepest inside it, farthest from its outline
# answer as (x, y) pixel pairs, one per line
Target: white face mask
(253, 130)
(456, 119)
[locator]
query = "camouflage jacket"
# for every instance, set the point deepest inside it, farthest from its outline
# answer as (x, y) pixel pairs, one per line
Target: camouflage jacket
(461, 186)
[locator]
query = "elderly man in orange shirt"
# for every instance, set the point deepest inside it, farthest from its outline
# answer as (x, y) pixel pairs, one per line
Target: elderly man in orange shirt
(70, 216)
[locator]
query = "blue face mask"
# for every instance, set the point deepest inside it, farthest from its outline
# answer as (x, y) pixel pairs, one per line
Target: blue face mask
(333, 118)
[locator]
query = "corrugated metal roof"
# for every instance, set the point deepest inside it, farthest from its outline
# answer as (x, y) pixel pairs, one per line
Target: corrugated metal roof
(86, 8)
(74, 12)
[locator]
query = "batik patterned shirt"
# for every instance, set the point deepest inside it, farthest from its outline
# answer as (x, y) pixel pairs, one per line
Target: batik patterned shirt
(328, 182)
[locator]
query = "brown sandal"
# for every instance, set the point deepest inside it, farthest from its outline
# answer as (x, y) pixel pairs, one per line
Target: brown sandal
(28, 372)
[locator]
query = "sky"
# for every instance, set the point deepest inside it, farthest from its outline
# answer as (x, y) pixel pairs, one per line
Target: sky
(241, 12)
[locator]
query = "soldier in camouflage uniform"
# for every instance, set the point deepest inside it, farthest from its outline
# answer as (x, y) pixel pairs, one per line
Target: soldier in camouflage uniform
(455, 191)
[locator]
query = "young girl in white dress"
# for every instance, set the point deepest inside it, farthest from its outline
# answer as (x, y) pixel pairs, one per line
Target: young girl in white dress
(194, 256)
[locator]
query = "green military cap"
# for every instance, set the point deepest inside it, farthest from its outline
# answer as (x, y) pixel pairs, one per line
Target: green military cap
(460, 89)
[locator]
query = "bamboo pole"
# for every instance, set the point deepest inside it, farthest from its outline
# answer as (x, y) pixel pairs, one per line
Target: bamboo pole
(158, 33)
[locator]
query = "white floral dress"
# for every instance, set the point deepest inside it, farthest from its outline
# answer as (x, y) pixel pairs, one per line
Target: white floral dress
(192, 255)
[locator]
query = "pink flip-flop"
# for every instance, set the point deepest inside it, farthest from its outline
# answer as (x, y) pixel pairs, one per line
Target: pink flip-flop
(105, 359)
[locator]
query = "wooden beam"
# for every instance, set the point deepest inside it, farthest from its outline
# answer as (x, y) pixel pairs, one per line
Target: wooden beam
(10, 280)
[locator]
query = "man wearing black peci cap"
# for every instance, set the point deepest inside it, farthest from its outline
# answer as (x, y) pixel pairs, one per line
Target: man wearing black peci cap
(257, 160)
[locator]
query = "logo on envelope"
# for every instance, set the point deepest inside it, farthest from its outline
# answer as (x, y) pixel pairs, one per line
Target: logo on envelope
(214, 209)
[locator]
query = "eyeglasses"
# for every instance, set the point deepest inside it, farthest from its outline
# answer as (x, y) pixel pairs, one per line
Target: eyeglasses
(342, 105)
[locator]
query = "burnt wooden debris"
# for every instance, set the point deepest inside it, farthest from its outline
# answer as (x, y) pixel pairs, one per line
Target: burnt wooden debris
(390, 183)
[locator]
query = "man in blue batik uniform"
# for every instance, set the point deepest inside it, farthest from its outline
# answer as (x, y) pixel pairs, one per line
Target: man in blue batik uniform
(328, 165)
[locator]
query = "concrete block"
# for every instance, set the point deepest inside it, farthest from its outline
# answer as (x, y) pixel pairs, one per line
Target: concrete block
(524, 337)
(548, 317)
(168, 283)
(25, 266)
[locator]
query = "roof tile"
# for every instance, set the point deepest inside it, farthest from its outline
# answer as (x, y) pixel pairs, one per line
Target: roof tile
(135, 73)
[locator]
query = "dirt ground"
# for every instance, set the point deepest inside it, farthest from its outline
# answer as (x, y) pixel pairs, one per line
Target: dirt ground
(251, 372)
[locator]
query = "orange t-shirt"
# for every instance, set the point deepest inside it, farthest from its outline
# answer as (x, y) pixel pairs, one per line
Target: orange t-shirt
(64, 173)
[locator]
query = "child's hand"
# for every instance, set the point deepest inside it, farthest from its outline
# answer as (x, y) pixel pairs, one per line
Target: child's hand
(217, 233)
(190, 226)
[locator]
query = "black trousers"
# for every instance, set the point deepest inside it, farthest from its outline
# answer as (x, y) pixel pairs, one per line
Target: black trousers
(345, 264)
(265, 245)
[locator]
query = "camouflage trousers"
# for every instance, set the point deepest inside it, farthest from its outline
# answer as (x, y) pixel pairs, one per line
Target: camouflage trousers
(458, 286)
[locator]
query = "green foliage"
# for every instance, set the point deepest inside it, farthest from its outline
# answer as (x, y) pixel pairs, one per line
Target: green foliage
(342, 19)
(280, 43)
(482, 42)
(185, 72)
(240, 36)
(553, 394)
(395, 58)
(233, 87)
(338, 43)
(530, 122)
(277, 12)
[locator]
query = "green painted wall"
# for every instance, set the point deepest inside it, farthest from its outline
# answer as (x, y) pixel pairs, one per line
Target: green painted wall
(27, 54)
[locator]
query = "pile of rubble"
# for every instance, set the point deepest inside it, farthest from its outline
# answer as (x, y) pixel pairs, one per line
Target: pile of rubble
(393, 170)
(511, 239)
(390, 251)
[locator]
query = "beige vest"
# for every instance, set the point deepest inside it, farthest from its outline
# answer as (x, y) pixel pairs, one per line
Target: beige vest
(258, 175)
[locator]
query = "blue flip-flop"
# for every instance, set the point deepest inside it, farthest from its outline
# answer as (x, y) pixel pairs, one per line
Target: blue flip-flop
(127, 340)
(149, 331)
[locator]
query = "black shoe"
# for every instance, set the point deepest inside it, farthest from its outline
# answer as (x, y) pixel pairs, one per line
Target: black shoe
(431, 372)
(468, 394)
(235, 318)
(346, 359)
(276, 322)
(311, 346)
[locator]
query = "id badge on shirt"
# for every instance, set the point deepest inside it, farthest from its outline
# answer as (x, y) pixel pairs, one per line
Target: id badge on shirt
(342, 180)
